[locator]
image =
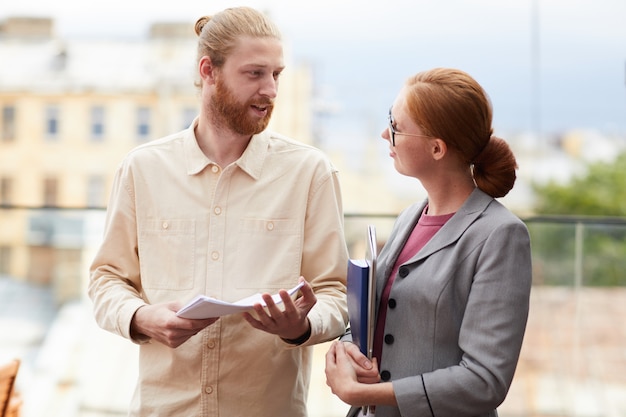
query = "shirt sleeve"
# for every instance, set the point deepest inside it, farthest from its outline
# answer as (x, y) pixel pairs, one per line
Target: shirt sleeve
(114, 285)
(325, 259)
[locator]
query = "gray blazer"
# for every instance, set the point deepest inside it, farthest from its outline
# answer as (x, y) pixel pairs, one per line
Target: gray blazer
(457, 312)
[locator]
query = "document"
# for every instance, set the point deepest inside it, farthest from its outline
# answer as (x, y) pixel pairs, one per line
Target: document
(358, 301)
(361, 287)
(204, 307)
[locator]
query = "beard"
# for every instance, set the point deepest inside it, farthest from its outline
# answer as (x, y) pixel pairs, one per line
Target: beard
(227, 110)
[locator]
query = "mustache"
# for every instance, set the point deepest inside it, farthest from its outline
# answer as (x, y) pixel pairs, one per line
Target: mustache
(266, 102)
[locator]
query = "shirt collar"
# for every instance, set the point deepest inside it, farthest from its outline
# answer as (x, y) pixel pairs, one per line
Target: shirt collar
(251, 161)
(195, 159)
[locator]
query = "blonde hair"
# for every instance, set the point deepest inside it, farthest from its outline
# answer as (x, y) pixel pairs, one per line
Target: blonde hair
(219, 33)
(449, 104)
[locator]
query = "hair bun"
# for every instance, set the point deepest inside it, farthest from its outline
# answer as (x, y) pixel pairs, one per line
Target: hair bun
(200, 24)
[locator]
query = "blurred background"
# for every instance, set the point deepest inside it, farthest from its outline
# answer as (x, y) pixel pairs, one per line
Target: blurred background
(82, 83)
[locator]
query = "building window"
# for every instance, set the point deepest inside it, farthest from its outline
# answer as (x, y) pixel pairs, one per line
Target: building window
(8, 124)
(96, 192)
(143, 123)
(52, 122)
(6, 191)
(97, 123)
(50, 192)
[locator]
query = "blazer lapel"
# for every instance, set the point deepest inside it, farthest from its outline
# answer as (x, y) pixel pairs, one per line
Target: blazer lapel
(473, 207)
(401, 232)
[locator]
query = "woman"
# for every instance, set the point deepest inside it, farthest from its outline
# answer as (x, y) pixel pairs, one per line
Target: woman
(453, 280)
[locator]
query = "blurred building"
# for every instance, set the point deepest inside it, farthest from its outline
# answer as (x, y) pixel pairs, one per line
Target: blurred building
(70, 109)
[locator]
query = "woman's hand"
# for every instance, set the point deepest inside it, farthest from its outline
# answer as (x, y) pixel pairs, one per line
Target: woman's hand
(346, 369)
(366, 370)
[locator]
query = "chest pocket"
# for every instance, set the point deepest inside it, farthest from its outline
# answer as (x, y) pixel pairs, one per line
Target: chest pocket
(166, 253)
(270, 254)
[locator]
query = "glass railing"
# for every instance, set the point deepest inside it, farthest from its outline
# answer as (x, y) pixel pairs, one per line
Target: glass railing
(572, 363)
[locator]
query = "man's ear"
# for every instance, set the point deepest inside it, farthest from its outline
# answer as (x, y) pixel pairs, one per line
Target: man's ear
(439, 149)
(206, 70)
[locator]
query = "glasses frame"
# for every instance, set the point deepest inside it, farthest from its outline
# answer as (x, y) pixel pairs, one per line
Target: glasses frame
(393, 132)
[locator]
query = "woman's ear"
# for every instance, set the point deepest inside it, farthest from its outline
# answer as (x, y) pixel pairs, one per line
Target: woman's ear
(439, 148)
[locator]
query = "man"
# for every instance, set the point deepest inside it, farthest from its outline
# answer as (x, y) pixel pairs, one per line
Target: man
(227, 209)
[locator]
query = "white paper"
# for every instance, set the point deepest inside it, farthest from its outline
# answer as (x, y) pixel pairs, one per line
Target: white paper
(371, 257)
(204, 307)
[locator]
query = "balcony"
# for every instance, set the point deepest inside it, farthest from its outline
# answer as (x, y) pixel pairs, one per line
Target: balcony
(572, 363)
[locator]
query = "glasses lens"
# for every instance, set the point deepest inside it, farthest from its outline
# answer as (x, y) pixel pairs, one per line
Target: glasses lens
(392, 133)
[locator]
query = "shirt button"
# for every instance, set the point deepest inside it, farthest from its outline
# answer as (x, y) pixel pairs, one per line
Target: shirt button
(385, 375)
(215, 169)
(215, 255)
(270, 226)
(389, 339)
(165, 225)
(211, 344)
(217, 210)
(208, 390)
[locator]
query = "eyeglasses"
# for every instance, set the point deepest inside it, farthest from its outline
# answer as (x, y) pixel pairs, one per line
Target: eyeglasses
(393, 132)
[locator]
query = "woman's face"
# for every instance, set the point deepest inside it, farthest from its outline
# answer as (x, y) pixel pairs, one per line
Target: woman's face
(412, 150)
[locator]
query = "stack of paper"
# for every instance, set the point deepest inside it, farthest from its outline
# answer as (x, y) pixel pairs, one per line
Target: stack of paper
(204, 307)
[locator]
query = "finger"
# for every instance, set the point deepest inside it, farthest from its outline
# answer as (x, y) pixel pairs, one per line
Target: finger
(252, 321)
(357, 357)
(264, 318)
(174, 306)
(289, 306)
(330, 364)
(271, 306)
(341, 348)
(199, 324)
(330, 355)
(340, 352)
(269, 301)
(306, 290)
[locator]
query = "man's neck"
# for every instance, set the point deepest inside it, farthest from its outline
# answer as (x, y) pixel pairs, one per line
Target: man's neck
(220, 145)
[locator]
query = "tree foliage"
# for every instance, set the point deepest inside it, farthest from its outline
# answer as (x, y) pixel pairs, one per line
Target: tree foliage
(601, 191)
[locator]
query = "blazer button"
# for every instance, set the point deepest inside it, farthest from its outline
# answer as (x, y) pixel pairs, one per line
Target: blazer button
(385, 375)
(389, 339)
(392, 303)
(403, 272)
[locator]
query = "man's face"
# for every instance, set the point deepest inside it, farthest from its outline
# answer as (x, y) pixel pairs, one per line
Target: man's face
(246, 86)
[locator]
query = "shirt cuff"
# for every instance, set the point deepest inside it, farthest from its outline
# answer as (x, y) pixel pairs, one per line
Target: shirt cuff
(300, 340)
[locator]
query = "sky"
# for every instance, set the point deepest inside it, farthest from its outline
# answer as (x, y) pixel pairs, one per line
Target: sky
(548, 65)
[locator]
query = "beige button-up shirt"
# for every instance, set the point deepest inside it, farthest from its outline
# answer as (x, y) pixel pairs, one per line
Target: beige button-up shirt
(178, 225)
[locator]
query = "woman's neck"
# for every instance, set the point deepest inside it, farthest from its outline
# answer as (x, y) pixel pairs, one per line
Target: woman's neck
(448, 198)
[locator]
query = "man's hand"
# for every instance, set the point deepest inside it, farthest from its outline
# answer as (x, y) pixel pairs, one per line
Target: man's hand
(289, 323)
(160, 322)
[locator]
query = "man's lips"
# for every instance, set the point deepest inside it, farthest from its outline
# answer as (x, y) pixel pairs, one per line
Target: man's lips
(261, 107)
